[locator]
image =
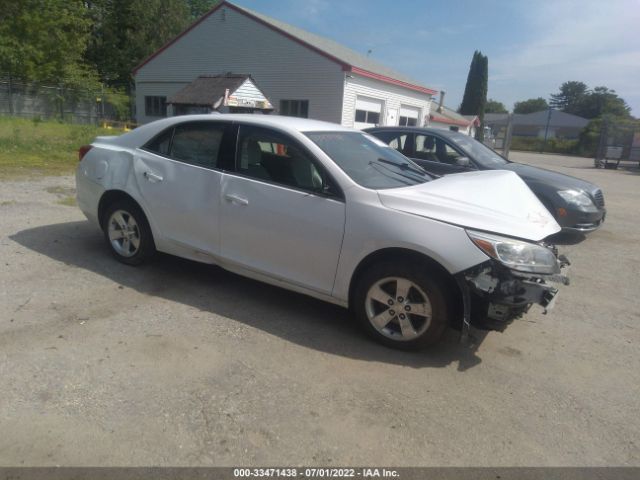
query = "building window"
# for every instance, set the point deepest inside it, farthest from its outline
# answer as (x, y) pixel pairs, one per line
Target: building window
(155, 106)
(408, 121)
(364, 116)
(294, 108)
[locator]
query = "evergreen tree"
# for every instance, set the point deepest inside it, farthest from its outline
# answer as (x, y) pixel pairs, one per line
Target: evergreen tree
(475, 92)
(569, 97)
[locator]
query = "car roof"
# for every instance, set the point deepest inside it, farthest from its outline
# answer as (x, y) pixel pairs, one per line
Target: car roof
(144, 133)
(436, 131)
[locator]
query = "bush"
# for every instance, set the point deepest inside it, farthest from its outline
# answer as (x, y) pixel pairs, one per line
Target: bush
(554, 145)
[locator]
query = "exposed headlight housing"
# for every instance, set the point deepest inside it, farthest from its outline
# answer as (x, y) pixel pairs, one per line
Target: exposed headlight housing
(516, 254)
(576, 197)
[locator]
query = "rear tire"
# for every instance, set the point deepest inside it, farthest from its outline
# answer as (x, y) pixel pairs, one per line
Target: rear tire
(127, 233)
(401, 305)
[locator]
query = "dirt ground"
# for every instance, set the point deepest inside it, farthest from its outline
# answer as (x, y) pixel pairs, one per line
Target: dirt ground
(177, 363)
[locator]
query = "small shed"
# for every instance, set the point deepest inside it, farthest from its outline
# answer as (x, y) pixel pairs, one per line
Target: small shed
(448, 119)
(227, 93)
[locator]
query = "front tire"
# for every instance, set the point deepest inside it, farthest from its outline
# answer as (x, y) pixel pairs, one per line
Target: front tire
(127, 233)
(401, 305)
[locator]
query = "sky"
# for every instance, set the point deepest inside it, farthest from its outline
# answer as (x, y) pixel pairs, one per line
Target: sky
(532, 46)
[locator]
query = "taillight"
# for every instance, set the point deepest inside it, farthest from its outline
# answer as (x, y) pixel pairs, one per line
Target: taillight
(82, 151)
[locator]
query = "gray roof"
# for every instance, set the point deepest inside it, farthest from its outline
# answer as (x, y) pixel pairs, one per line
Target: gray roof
(451, 114)
(495, 117)
(558, 119)
(325, 46)
(208, 89)
(334, 49)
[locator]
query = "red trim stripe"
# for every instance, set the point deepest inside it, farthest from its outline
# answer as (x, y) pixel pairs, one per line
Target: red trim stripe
(345, 66)
(393, 81)
(449, 121)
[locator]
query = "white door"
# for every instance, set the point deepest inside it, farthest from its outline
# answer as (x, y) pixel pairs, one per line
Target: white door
(368, 112)
(409, 115)
(392, 117)
(274, 218)
(180, 186)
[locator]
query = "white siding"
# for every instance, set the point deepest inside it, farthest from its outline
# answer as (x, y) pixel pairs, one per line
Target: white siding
(228, 41)
(446, 126)
(250, 91)
(392, 96)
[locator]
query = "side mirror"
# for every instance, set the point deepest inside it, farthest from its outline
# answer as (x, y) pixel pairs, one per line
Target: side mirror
(463, 162)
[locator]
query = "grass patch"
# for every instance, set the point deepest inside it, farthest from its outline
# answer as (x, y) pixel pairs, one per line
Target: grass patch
(57, 190)
(30, 147)
(69, 201)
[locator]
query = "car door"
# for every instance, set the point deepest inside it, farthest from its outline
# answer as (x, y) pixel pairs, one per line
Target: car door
(281, 214)
(179, 176)
(438, 156)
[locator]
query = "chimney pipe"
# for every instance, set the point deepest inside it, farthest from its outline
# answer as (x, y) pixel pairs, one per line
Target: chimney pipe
(442, 94)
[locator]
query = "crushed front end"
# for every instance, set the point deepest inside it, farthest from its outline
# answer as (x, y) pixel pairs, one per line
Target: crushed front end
(518, 275)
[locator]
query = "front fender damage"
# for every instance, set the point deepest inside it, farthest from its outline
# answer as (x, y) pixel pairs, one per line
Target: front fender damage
(494, 295)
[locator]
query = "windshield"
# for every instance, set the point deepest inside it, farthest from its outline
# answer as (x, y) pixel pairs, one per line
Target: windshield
(368, 161)
(478, 151)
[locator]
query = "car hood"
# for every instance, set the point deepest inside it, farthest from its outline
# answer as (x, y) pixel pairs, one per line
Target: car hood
(494, 201)
(555, 180)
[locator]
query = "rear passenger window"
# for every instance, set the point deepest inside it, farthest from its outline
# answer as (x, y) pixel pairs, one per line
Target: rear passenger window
(197, 143)
(161, 143)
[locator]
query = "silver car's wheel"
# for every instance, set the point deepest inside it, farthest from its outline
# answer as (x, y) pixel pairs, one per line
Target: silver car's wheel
(127, 232)
(398, 308)
(124, 233)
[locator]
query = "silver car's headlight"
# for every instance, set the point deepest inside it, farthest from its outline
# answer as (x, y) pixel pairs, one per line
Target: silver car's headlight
(576, 197)
(516, 254)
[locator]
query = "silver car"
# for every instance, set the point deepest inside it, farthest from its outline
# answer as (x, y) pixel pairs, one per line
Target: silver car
(327, 211)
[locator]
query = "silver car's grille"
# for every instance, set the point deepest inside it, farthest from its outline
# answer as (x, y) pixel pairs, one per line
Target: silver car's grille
(599, 198)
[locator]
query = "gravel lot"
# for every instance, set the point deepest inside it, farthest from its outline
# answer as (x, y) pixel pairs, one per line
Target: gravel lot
(177, 363)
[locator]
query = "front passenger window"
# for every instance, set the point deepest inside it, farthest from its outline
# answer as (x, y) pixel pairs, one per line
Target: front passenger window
(268, 155)
(425, 148)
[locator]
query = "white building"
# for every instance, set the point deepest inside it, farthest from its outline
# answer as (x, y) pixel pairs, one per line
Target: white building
(302, 74)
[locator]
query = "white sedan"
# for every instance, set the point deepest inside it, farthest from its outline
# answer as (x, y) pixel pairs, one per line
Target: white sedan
(327, 211)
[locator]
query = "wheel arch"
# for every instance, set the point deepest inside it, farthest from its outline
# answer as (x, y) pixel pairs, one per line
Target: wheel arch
(111, 196)
(405, 254)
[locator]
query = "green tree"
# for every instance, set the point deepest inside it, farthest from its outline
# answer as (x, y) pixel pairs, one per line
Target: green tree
(200, 7)
(494, 106)
(531, 105)
(43, 41)
(602, 101)
(475, 91)
(570, 96)
(125, 32)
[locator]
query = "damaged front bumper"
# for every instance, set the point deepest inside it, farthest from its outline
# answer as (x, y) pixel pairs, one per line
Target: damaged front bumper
(494, 295)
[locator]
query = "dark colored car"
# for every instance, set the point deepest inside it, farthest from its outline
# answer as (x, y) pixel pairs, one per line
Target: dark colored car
(577, 205)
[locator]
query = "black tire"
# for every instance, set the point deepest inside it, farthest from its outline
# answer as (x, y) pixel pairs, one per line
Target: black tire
(146, 248)
(429, 284)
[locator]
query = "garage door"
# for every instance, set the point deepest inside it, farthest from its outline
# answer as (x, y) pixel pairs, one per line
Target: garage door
(409, 116)
(368, 112)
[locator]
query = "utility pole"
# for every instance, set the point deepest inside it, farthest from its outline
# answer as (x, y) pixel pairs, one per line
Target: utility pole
(506, 145)
(546, 129)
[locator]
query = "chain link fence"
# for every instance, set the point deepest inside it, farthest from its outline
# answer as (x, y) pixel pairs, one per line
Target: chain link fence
(618, 141)
(68, 105)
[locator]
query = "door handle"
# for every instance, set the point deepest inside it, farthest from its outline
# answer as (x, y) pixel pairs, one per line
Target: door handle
(152, 177)
(235, 199)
